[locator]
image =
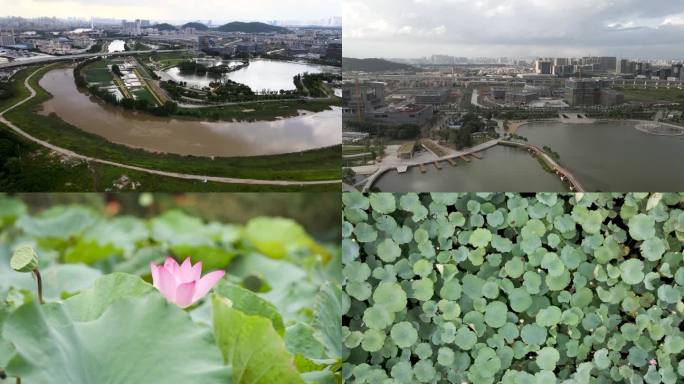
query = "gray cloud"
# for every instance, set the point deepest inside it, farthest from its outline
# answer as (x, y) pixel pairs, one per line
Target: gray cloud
(410, 28)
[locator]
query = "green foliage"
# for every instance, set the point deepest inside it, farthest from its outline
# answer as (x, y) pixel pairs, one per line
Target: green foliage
(275, 316)
(510, 288)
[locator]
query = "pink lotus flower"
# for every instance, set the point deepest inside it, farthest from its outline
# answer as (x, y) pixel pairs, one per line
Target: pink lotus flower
(181, 284)
(653, 362)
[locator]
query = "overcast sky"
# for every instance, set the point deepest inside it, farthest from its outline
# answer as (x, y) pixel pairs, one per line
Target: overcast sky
(514, 28)
(181, 10)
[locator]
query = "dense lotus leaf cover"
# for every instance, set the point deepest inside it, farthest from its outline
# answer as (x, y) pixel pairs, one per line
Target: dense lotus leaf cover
(509, 288)
(274, 317)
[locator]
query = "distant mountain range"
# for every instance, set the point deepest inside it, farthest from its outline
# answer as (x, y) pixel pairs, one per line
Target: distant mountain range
(197, 26)
(164, 27)
(253, 27)
(373, 65)
(235, 26)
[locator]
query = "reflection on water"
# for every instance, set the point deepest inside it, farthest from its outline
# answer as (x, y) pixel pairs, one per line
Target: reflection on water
(188, 137)
(259, 75)
(501, 169)
(613, 155)
(116, 46)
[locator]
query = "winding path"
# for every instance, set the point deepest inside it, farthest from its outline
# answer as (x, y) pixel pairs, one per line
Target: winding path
(66, 152)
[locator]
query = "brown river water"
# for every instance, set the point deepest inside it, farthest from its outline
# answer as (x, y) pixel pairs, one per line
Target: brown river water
(188, 137)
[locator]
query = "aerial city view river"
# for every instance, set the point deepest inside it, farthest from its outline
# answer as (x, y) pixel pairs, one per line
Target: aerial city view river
(187, 136)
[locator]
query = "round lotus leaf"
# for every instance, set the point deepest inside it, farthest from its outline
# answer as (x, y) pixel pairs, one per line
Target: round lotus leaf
(423, 351)
(548, 317)
(601, 359)
(486, 363)
(472, 286)
(490, 290)
(547, 358)
(480, 237)
(356, 271)
(422, 267)
(632, 271)
(553, 264)
(519, 299)
(653, 248)
(673, 344)
(402, 372)
(359, 291)
(495, 314)
(388, 251)
(390, 295)
(373, 340)
(423, 289)
(495, 219)
(451, 290)
(641, 227)
(365, 233)
(445, 356)
(669, 294)
(383, 202)
(450, 309)
(515, 267)
(465, 338)
(404, 334)
(353, 339)
(424, 370)
(533, 334)
(378, 317)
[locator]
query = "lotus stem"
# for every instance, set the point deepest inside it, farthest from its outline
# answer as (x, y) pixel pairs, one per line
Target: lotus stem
(39, 281)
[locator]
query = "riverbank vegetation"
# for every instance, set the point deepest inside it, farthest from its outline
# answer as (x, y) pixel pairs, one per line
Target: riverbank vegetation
(319, 164)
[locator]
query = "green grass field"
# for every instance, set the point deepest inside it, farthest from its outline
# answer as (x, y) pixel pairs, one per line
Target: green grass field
(144, 94)
(653, 95)
(98, 72)
(320, 164)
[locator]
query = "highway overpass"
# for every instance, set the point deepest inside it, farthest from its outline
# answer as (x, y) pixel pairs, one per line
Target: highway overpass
(51, 59)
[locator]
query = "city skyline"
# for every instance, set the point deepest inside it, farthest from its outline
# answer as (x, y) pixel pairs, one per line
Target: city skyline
(492, 28)
(174, 11)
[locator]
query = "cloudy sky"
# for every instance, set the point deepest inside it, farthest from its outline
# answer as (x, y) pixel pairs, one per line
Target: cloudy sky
(181, 10)
(514, 28)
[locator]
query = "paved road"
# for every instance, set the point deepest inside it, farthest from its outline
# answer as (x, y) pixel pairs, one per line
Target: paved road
(66, 152)
(49, 59)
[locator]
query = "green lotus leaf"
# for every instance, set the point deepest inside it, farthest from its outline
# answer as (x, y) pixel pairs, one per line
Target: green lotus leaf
(533, 334)
(378, 317)
(365, 233)
(388, 251)
(519, 299)
(480, 237)
(445, 356)
(383, 202)
(356, 271)
(547, 358)
(373, 339)
(641, 227)
(124, 344)
(515, 267)
(632, 271)
(390, 295)
(495, 314)
(465, 338)
(424, 371)
(423, 289)
(422, 267)
(653, 248)
(402, 372)
(549, 316)
(404, 334)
